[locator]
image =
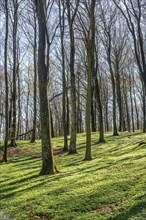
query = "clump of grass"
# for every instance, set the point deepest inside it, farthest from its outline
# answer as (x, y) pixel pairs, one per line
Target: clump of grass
(111, 186)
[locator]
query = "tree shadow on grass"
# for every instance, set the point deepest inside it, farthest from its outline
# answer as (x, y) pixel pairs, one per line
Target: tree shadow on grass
(119, 150)
(82, 203)
(13, 185)
(7, 188)
(11, 194)
(102, 196)
(137, 209)
(38, 181)
(24, 160)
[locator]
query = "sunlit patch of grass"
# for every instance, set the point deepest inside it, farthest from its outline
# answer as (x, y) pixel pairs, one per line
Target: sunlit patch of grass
(111, 186)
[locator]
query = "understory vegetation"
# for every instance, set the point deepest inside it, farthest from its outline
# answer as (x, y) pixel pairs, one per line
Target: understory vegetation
(110, 186)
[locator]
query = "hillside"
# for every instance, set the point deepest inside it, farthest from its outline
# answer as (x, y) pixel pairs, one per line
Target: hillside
(111, 186)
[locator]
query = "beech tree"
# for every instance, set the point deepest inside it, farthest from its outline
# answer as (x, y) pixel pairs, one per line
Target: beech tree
(88, 70)
(6, 83)
(132, 11)
(108, 24)
(48, 163)
(35, 78)
(64, 95)
(14, 89)
(98, 95)
(71, 17)
(90, 63)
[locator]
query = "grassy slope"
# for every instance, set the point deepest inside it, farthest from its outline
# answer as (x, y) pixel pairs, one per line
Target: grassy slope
(111, 186)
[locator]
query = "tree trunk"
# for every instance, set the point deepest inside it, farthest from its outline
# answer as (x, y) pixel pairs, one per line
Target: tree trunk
(90, 71)
(136, 110)
(27, 110)
(119, 98)
(6, 85)
(106, 98)
(68, 124)
(10, 116)
(88, 110)
(144, 110)
(33, 137)
(72, 148)
(13, 132)
(131, 100)
(93, 116)
(19, 107)
(52, 127)
(115, 131)
(48, 164)
(78, 104)
(126, 106)
(64, 115)
(100, 118)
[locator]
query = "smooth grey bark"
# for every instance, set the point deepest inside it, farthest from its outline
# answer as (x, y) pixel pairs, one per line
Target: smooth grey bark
(71, 17)
(19, 105)
(115, 130)
(131, 102)
(6, 85)
(100, 117)
(98, 98)
(126, 105)
(144, 109)
(27, 108)
(64, 115)
(93, 112)
(33, 137)
(119, 94)
(90, 71)
(133, 10)
(15, 26)
(48, 163)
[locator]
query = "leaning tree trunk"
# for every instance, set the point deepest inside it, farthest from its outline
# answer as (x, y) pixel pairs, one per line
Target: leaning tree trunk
(48, 164)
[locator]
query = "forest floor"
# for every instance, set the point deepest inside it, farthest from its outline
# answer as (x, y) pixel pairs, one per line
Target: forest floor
(111, 186)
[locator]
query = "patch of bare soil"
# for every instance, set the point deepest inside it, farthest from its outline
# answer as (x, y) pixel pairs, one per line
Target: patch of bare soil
(105, 208)
(14, 152)
(58, 151)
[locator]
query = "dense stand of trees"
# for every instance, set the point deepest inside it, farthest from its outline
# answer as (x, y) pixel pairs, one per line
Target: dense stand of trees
(69, 67)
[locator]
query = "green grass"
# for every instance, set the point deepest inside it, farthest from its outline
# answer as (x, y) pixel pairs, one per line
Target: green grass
(111, 186)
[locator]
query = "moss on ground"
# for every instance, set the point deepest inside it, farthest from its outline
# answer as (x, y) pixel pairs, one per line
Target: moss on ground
(111, 186)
